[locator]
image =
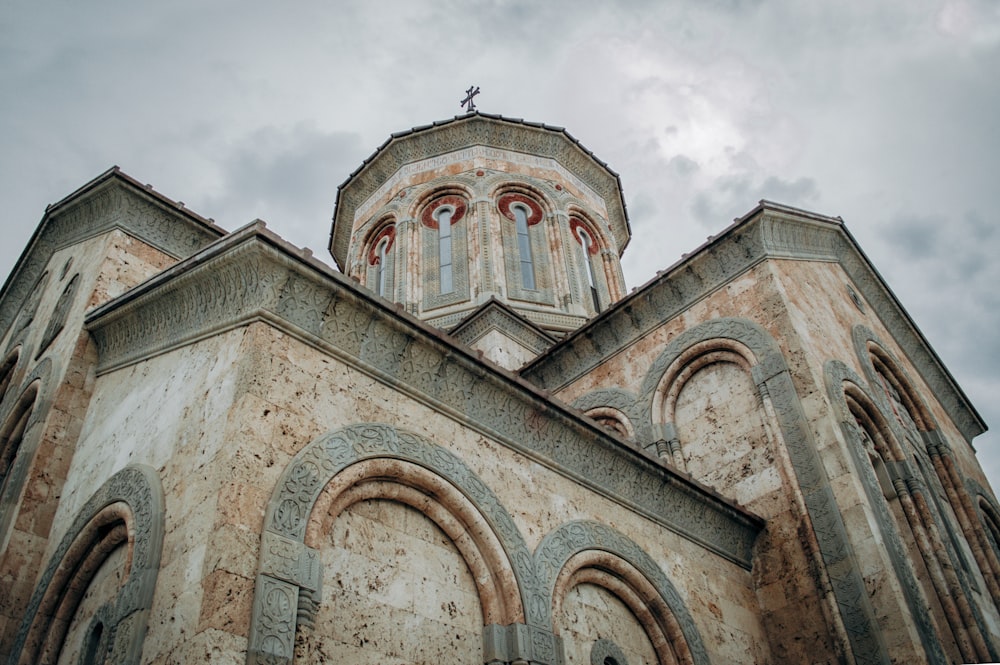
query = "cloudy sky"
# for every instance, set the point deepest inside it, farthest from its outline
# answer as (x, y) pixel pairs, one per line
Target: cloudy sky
(885, 113)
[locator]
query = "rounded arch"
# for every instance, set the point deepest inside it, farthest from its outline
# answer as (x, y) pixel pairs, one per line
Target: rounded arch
(362, 459)
(509, 194)
(688, 362)
(7, 370)
(740, 333)
(989, 516)
(590, 552)
(616, 399)
(842, 386)
(612, 419)
(20, 434)
(451, 194)
(416, 486)
(886, 374)
(579, 223)
(14, 426)
(383, 229)
(127, 510)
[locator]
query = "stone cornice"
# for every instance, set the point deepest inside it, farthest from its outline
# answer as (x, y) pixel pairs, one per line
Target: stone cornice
(252, 275)
(495, 315)
(471, 130)
(768, 231)
(113, 200)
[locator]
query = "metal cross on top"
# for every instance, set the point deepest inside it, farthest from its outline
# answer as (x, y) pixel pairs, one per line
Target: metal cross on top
(469, 94)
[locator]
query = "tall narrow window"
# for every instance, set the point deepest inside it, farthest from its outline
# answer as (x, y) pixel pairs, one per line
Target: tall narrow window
(381, 252)
(587, 242)
(380, 264)
(524, 248)
(444, 249)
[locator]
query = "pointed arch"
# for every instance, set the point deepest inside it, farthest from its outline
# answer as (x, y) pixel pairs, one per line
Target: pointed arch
(365, 461)
(126, 511)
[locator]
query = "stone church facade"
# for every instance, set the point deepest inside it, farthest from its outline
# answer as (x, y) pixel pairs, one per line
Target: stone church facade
(470, 443)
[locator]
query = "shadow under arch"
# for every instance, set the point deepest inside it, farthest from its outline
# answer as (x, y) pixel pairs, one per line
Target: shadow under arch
(127, 510)
(565, 555)
(289, 577)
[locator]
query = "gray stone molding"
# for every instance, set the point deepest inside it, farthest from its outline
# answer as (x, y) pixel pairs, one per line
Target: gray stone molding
(604, 649)
(111, 201)
(553, 323)
(519, 643)
(12, 483)
(475, 129)
(57, 321)
(287, 565)
(861, 335)
(772, 377)
(768, 231)
(623, 401)
(573, 537)
(495, 315)
(252, 275)
(836, 375)
(139, 487)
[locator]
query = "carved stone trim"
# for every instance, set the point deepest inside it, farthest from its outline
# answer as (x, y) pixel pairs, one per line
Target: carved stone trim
(520, 643)
(494, 315)
(476, 134)
(284, 556)
(139, 487)
(836, 374)
(111, 201)
(573, 537)
(772, 375)
(12, 483)
(770, 231)
(249, 276)
(624, 401)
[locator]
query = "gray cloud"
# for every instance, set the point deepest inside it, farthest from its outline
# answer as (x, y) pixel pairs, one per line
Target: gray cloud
(885, 113)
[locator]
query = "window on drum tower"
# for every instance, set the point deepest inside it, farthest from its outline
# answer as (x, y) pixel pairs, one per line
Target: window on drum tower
(443, 217)
(524, 247)
(587, 245)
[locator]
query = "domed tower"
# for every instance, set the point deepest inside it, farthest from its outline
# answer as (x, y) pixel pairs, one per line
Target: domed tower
(478, 210)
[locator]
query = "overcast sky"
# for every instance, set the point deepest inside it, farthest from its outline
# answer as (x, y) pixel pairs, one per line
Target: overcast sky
(885, 113)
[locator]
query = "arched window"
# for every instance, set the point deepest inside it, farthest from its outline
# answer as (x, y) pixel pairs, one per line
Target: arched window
(443, 216)
(991, 519)
(7, 371)
(445, 270)
(588, 253)
(380, 261)
(13, 433)
(524, 247)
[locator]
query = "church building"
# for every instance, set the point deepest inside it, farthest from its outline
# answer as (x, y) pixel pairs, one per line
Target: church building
(469, 442)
